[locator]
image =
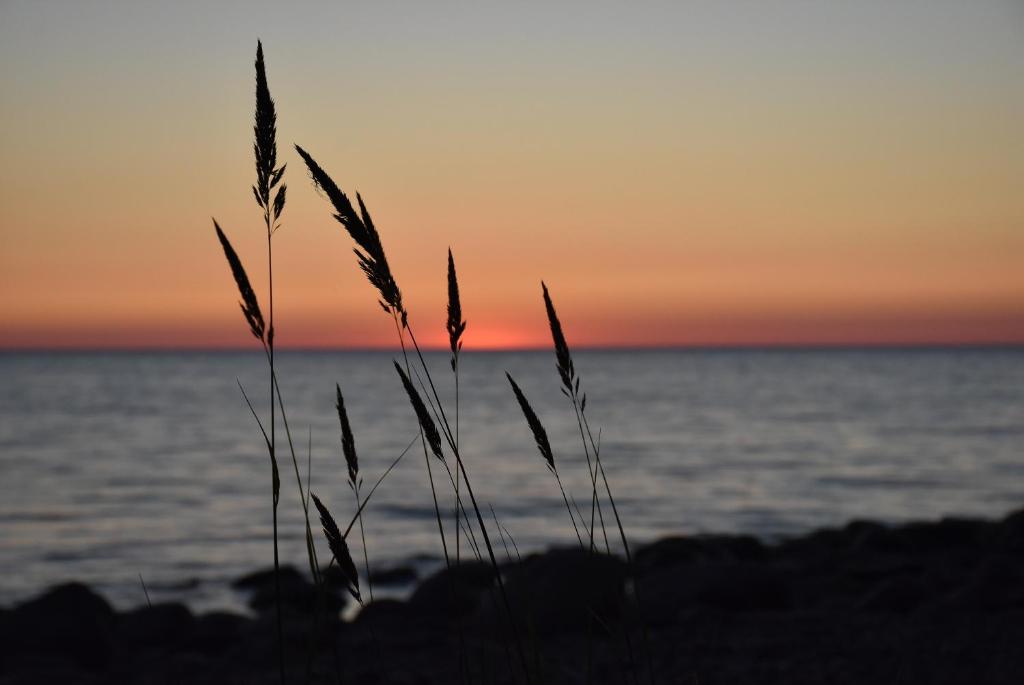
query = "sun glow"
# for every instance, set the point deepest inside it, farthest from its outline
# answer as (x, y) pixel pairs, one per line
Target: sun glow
(743, 186)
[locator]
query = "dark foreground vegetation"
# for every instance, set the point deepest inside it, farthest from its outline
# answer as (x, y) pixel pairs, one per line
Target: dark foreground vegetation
(938, 602)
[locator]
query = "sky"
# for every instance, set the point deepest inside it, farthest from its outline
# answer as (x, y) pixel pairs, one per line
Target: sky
(679, 173)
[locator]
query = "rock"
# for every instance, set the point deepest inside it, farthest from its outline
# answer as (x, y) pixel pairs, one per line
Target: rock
(264, 578)
(217, 631)
(744, 587)
(561, 589)
(733, 587)
(298, 595)
(996, 584)
(944, 536)
(830, 543)
(1009, 533)
(396, 576)
(5, 638)
(68, 620)
(453, 592)
(898, 595)
(938, 603)
(674, 550)
(381, 608)
(385, 612)
(866, 537)
(298, 599)
(161, 625)
(336, 581)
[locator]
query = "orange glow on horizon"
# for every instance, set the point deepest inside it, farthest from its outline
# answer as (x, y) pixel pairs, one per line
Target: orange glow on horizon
(804, 328)
(813, 174)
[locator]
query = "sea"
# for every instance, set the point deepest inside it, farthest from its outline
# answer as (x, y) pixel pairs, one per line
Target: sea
(132, 469)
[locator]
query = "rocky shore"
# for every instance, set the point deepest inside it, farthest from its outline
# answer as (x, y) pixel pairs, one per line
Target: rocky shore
(936, 602)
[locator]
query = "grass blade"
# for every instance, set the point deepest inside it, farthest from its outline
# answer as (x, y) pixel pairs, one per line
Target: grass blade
(544, 445)
(539, 434)
(348, 443)
(249, 304)
(370, 251)
(456, 325)
(265, 137)
(339, 548)
(426, 422)
(566, 370)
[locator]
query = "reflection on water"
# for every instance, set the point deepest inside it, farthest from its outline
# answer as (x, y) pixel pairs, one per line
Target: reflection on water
(119, 464)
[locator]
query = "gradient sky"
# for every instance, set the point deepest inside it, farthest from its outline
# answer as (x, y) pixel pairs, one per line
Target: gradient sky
(678, 173)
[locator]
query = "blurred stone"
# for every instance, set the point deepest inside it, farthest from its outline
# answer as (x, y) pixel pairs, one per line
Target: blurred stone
(265, 578)
(396, 576)
(898, 595)
(563, 589)
(218, 631)
(69, 620)
(298, 595)
(674, 550)
(453, 591)
(162, 625)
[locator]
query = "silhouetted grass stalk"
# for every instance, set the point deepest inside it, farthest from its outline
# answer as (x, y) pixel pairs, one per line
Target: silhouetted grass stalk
(433, 490)
(476, 508)
(595, 498)
(456, 326)
(426, 457)
(267, 176)
(373, 262)
(540, 436)
(303, 494)
(369, 495)
(571, 387)
(257, 326)
(348, 448)
(339, 549)
(333, 535)
(453, 478)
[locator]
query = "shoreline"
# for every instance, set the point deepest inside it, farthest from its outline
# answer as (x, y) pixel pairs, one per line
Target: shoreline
(938, 601)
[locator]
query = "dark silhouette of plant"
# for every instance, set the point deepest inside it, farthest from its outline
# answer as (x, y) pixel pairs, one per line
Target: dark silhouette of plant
(348, 449)
(374, 264)
(369, 250)
(571, 389)
(540, 436)
(336, 542)
(437, 433)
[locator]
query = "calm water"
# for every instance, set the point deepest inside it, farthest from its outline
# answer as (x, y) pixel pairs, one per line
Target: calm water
(115, 465)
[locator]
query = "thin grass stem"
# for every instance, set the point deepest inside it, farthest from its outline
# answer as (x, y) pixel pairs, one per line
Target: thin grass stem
(426, 456)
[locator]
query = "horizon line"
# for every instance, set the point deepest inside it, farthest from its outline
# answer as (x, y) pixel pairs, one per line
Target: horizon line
(681, 347)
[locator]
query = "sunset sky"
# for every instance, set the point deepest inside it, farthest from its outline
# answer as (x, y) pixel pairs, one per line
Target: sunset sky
(679, 173)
